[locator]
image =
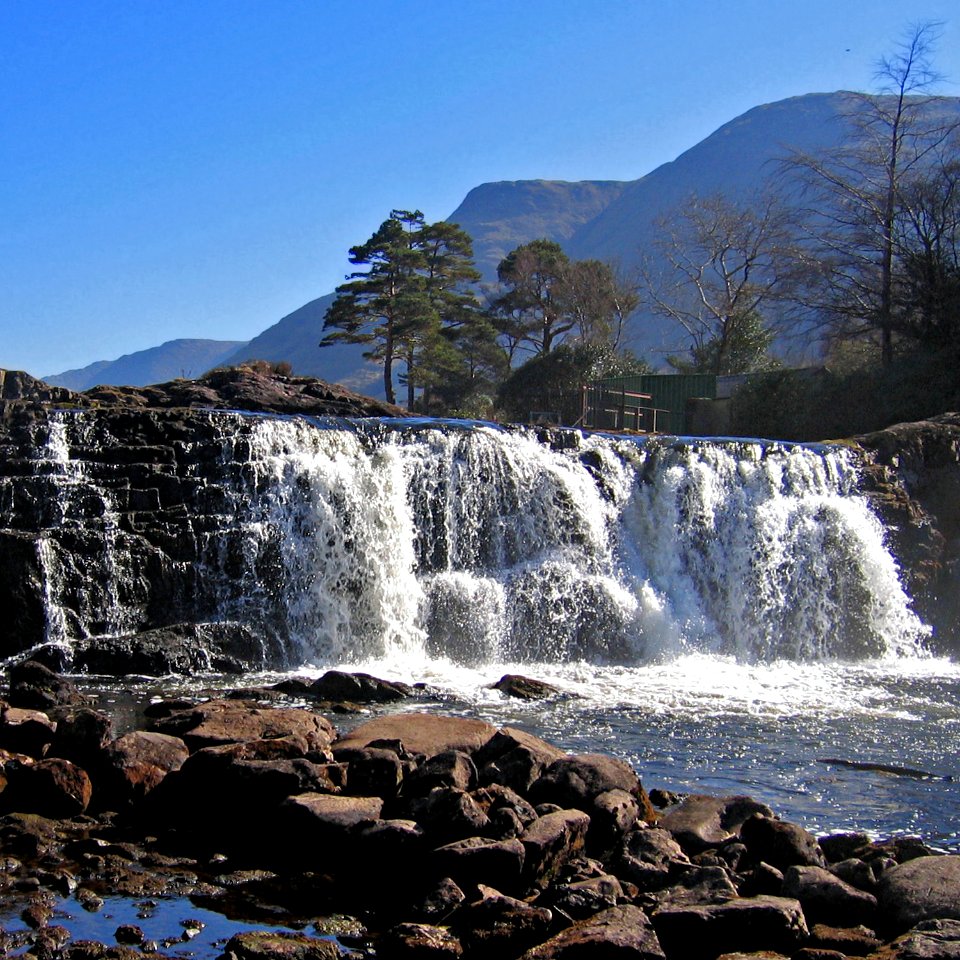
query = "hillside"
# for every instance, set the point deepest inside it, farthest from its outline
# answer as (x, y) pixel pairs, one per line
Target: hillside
(175, 358)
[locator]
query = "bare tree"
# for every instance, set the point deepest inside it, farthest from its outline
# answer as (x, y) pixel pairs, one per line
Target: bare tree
(855, 193)
(731, 267)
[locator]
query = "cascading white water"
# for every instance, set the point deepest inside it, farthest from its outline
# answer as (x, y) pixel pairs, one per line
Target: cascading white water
(480, 545)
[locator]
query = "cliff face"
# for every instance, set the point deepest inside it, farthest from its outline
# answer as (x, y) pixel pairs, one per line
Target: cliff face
(912, 475)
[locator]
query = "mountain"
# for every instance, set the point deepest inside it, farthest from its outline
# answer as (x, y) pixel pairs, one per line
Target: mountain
(175, 358)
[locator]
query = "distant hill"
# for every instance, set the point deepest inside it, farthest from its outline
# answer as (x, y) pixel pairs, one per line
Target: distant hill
(175, 358)
(607, 220)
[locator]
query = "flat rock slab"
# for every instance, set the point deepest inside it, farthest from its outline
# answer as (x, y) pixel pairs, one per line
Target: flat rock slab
(927, 888)
(623, 931)
(422, 733)
(278, 945)
(702, 822)
(744, 925)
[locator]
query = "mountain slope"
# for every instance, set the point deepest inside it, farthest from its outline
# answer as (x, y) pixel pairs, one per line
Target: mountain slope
(175, 358)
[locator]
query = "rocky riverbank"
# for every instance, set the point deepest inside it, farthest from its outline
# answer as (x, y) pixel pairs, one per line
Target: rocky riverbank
(415, 835)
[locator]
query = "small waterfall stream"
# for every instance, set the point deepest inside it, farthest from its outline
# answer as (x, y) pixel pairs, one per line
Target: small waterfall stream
(479, 544)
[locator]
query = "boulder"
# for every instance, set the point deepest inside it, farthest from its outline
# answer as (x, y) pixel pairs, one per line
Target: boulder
(278, 945)
(136, 763)
(53, 788)
(418, 941)
(371, 771)
(574, 782)
(742, 925)
(36, 687)
(698, 886)
(850, 941)
(448, 814)
(25, 731)
(525, 688)
(358, 688)
(82, 735)
(928, 940)
(583, 898)
(700, 822)
(476, 860)
(217, 722)
(780, 844)
(422, 733)
(551, 841)
(440, 900)
(613, 814)
(927, 888)
(825, 898)
(623, 931)
(315, 820)
(514, 759)
(497, 926)
(451, 768)
(649, 858)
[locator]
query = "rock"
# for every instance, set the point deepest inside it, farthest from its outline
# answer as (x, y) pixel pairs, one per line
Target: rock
(278, 945)
(927, 888)
(825, 898)
(698, 886)
(551, 841)
(36, 687)
(422, 733)
(623, 931)
(372, 772)
(850, 941)
(129, 933)
(496, 925)
(525, 688)
(701, 822)
(514, 759)
(928, 940)
(358, 688)
(574, 782)
(452, 768)
(440, 901)
(742, 925)
(583, 898)
(53, 788)
(612, 815)
(317, 822)
(448, 814)
(418, 941)
(649, 857)
(82, 734)
(25, 731)
(780, 844)
(761, 879)
(858, 873)
(136, 763)
(219, 722)
(476, 860)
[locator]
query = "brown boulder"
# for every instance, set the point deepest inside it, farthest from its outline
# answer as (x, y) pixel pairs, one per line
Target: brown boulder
(53, 788)
(278, 945)
(477, 860)
(928, 940)
(358, 688)
(551, 841)
(701, 822)
(422, 733)
(825, 898)
(36, 687)
(418, 941)
(136, 763)
(927, 888)
(525, 688)
(781, 844)
(514, 759)
(497, 926)
(219, 722)
(25, 731)
(623, 931)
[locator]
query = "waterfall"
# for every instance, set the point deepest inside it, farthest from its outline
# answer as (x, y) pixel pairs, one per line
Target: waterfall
(474, 543)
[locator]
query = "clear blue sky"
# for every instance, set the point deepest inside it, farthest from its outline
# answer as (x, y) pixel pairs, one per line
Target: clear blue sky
(199, 168)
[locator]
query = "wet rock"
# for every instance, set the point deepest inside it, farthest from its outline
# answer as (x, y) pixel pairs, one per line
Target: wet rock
(372, 772)
(851, 941)
(926, 888)
(928, 940)
(583, 898)
(448, 814)
(358, 688)
(136, 763)
(422, 733)
(452, 768)
(552, 841)
(477, 860)
(515, 759)
(780, 844)
(623, 931)
(525, 688)
(496, 925)
(129, 933)
(440, 901)
(92, 950)
(36, 687)
(825, 898)
(82, 734)
(574, 782)
(698, 886)
(218, 722)
(418, 941)
(742, 925)
(52, 788)
(649, 857)
(702, 822)
(25, 731)
(278, 945)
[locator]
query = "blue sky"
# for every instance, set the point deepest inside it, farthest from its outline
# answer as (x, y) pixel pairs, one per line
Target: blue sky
(199, 168)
